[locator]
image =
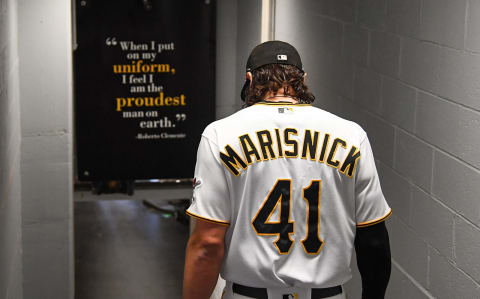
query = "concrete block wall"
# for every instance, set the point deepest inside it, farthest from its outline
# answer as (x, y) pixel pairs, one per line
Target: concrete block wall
(226, 62)
(238, 32)
(45, 72)
(407, 71)
(10, 183)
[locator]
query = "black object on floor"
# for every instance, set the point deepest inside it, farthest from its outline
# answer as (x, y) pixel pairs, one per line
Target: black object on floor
(123, 250)
(174, 208)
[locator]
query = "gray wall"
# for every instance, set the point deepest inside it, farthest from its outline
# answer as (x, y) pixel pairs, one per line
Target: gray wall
(238, 31)
(226, 63)
(10, 192)
(44, 43)
(407, 71)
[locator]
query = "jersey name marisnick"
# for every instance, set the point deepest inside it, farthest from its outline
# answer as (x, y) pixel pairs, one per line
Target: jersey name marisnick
(275, 143)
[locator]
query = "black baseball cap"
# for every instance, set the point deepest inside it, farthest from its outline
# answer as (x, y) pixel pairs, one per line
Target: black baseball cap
(271, 52)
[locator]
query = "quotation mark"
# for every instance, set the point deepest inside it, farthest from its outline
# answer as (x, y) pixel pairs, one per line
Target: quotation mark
(111, 41)
(181, 117)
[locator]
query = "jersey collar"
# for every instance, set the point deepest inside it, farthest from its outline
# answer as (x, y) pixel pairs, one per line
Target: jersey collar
(280, 103)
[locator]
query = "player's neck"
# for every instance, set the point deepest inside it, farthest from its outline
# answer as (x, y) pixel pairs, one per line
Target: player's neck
(280, 98)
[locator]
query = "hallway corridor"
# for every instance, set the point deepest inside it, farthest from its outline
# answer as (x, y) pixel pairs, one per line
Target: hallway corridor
(125, 250)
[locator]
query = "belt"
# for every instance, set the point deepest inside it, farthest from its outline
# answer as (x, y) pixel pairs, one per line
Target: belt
(261, 293)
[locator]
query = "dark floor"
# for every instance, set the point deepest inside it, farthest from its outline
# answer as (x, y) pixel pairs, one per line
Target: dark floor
(124, 250)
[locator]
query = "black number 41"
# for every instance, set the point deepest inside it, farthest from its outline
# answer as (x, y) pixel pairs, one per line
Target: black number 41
(280, 197)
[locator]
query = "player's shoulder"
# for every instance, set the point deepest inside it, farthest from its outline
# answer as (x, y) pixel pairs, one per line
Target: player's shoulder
(310, 116)
(338, 122)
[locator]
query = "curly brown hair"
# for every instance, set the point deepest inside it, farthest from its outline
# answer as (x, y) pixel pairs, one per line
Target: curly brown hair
(271, 77)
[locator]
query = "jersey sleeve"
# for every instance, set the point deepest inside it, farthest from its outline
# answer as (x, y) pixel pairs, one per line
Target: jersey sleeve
(210, 200)
(370, 204)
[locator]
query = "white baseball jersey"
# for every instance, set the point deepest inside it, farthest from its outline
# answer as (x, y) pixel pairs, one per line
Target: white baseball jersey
(292, 182)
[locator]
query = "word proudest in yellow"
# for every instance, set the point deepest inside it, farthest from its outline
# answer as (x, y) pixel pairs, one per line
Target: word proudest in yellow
(159, 101)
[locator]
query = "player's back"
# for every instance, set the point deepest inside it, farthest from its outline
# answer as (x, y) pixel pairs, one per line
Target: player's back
(290, 172)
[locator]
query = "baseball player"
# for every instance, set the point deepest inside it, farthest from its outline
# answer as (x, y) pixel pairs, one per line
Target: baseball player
(283, 192)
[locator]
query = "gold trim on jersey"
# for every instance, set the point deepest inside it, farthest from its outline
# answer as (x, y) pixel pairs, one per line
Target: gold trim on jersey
(352, 158)
(221, 222)
(312, 142)
(375, 221)
(279, 201)
(279, 143)
(330, 160)
(282, 104)
(233, 159)
(266, 147)
(289, 143)
(308, 216)
(249, 149)
(323, 152)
